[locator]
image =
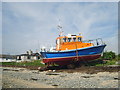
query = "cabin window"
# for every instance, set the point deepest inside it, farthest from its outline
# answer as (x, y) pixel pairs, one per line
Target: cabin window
(79, 39)
(74, 39)
(64, 39)
(69, 39)
(56, 41)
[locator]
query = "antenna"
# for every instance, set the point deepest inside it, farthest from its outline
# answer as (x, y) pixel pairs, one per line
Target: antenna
(60, 28)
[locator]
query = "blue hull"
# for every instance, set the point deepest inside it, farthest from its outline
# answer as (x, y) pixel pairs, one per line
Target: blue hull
(71, 53)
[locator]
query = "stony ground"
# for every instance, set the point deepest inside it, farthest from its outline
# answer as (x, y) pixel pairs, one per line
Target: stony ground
(25, 78)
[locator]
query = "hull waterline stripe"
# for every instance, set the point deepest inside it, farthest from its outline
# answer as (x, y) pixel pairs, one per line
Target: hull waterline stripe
(72, 56)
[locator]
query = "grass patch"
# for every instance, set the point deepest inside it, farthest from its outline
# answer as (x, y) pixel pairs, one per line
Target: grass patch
(25, 63)
(100, 62)
(109, 62)
(38, 63)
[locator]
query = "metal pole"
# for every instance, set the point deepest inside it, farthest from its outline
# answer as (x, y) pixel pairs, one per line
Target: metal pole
(76, 52)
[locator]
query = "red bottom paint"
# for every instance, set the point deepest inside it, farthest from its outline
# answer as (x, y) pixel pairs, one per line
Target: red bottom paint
(68, 60)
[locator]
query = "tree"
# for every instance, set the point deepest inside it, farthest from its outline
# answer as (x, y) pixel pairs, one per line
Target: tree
(109, 55)
(118, 56)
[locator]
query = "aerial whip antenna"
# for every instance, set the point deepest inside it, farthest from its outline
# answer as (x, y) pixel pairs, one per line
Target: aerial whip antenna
(60, 28)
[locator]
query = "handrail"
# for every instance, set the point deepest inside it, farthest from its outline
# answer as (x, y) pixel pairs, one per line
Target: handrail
(96, 42)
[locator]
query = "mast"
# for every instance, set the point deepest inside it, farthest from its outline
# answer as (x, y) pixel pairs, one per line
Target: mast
(59, 27)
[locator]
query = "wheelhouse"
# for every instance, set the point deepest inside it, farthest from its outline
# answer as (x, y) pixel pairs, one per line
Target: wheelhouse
(70, 42)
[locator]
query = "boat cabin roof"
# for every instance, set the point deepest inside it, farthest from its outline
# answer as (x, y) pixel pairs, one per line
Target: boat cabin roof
(69, 36)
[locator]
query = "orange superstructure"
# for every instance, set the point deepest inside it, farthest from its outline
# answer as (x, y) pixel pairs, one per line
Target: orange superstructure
(70, 42)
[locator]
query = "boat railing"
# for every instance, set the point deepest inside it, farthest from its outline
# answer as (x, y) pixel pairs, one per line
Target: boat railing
(95, 42)
(48, 48)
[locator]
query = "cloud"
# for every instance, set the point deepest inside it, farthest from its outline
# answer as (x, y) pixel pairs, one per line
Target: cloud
(31, 25)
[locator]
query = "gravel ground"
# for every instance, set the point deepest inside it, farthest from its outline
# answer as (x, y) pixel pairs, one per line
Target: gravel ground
(25, 78)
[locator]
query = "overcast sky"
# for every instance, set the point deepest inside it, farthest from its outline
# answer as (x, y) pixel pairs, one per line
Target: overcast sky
(32, 25)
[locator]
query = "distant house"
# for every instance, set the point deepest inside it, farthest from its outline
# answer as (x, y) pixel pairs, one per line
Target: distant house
(7, 58)
(29, 56)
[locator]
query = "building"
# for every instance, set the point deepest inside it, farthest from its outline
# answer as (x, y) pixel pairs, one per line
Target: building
(7, 58)
(29, 56)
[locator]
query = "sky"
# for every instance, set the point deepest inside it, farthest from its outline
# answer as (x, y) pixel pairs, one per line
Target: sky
(31, 25)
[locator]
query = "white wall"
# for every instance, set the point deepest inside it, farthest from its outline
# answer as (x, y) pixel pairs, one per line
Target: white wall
(23, 58)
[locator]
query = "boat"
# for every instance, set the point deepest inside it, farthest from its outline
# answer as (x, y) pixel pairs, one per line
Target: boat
(71, 49)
